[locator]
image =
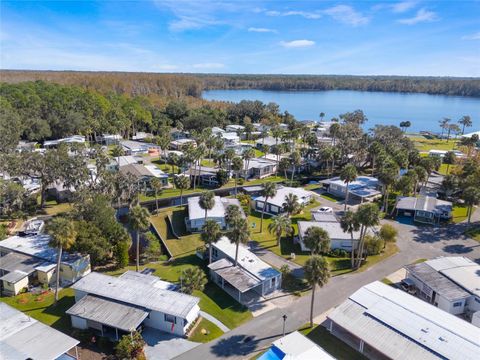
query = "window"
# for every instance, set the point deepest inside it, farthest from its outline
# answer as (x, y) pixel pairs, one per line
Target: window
(170, 319)
(457, 304)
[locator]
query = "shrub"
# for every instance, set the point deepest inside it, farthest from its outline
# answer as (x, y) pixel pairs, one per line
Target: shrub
(130, 347)
(373, 245)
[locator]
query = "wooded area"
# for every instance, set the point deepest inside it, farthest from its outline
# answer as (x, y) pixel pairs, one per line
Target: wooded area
(180, 85)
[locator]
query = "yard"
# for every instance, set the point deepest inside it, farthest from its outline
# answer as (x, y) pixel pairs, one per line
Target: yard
(331, 344)
(424, 144)
(205, 331)
(459, 213)
(41, 307)
(474, 233)
(338, 265)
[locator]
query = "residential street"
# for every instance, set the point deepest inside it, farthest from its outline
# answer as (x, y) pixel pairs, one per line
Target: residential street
(413, 242)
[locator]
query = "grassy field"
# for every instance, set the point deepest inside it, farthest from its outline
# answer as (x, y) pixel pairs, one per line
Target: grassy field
(424, 144)
(188, 243)
(459, 213)
(330, 343)
(443, 169)
(205, 331)
(53, 208)
(41, 307)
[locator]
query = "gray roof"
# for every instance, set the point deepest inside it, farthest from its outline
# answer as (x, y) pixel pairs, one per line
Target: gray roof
(22, 337)
(424, 203)
(137, 170)
(19, 262)
(259, 163)
(14, 276)
(402, 326)
(283, 191)
(121, 316)
(334, 229)
(137, 293)
(437, 282)
(238, 277)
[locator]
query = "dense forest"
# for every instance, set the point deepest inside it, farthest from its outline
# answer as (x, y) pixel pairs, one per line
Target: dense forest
(180, 85)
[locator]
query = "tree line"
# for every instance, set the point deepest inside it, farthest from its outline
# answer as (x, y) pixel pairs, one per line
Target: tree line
(180, 85)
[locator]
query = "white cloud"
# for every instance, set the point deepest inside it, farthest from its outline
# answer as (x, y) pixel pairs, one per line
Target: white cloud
(347, 15)
(261, 30)
(297, 43)
(165, 67)
(403, 6)
(305, 14)
(423, 15)
(475, 36)
(208, 66)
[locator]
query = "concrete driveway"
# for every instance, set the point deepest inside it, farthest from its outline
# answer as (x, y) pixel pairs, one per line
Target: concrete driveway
(162, 346)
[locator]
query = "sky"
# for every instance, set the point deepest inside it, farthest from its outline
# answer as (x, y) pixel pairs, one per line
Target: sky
(438, 38)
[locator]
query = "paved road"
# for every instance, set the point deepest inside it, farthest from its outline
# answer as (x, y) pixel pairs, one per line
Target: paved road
(413, 242)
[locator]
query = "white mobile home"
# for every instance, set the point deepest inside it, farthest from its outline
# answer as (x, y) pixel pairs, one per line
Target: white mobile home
(196, 215)
(275, 204)
(118, 305)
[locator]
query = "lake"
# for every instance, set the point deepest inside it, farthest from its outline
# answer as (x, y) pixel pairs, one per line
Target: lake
(422, 110)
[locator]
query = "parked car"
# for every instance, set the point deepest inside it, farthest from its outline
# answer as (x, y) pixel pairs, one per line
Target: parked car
(409, 286)
(325, 210)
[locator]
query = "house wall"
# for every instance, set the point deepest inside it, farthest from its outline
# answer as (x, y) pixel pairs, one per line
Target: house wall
(70, 273)
(343, 244)
(161, 321)
(197, 224)
(337, 190)
(473, 303)
(455, 307)
(45, 277)
(78, 323)
(14, 289)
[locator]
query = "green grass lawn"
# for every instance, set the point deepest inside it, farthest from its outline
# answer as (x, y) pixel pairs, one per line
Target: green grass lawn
(334, 346)
(459, 213)
(205, 331)
(188, 243)
(330, 197)
(474, 233)
(41, 307)
(424, 144)
(53, 208)
(443, 169)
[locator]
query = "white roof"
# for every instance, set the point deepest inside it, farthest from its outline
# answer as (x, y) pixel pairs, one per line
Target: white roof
(460, 270)
(259, 163)
(217, 130)
(126, 160)
(182, 141)
(360, 181)
(282, 191)
(71, 139)
(469, 135)
(402, 326)
(246, 259)
(139, 293)
(236, 127)
(218, 210)
(155, 171)
(22, 337)
(135, 145)
(36, 245)
(295, 346)
(230, 136)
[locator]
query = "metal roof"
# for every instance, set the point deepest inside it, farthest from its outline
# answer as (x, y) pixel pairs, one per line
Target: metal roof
(295, 346)
(111, 313)
(38, 246)
(14, 276)
(460, 270)
(246, 259)
(218, 210)
(402, 326)
(437, 282)
(259, 163)
(137, 293)
(22, 337)
(283, 191)
(238, 277)
(19, 262)
(424, 203)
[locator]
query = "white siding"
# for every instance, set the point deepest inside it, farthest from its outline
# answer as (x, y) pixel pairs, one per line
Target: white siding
(79, 323)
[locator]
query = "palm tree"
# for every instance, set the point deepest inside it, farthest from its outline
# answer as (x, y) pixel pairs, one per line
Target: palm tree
(422, 176)
(173, 159)
(348, 174)
(284, 165)
(247, 156)
(163, 142)
(368, 215)
(239, 233)
(211, 234)
(449, 159)
(117, 151)
(63, 235)
(139, 222)
(192, 278)
(452, 128)
(471, 196)
(387, 176)
(291, 204)
(157, 186)
(317, 240)
(279, 225)
(207, 201)
(237, 165)
(269, 190)
(232, 213)
(334, 131)
(317, 273)
(465, 121)
(444, 124)
(350, 224)
(295, 160)
(374, 151)
(182, 183)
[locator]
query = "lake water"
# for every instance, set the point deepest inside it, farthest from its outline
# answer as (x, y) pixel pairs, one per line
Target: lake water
(422, 110)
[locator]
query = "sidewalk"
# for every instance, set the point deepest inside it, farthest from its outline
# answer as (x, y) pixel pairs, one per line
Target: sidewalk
(276, 260)
(214, 320)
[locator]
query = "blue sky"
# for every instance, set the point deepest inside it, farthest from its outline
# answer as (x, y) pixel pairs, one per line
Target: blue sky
(291, 37)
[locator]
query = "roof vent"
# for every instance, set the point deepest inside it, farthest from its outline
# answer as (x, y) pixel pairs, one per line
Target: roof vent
(442, 339)
(425, 330)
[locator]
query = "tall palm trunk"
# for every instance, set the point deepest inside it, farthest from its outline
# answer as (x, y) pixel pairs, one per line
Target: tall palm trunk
(346, 198)
(236, 181)
(470, 208)
(311, 305)
(57, 279)
(137, 263)
(293, 173)
(263, 212)
(352, 252)
(236, 254)
(181, 197)
(156, 201)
